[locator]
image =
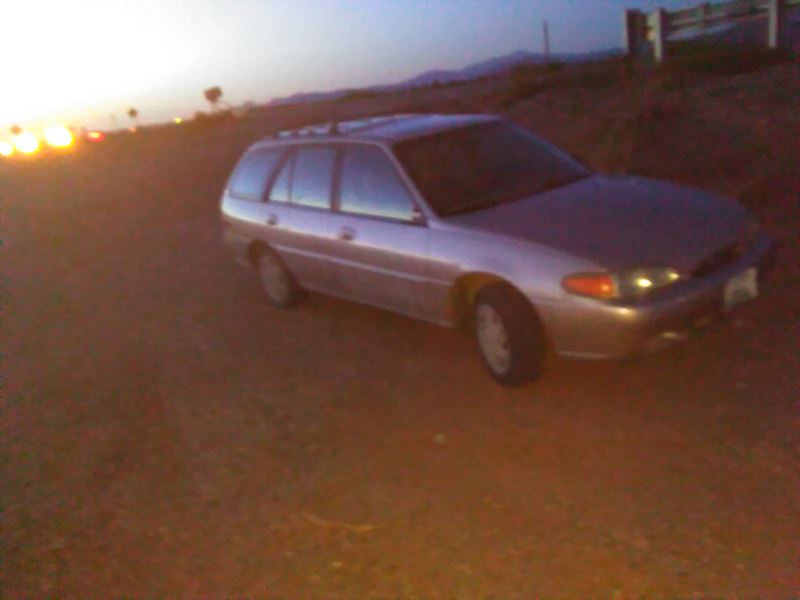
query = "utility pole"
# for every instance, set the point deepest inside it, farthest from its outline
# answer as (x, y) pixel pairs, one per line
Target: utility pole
(546, 38)
(775, 17)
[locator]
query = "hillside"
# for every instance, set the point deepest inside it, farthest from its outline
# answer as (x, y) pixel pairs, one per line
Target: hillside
(493, 66)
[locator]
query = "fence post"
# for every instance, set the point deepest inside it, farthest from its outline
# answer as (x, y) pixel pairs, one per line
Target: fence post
(775, 19)
(704, 11)
(660, 25)
(633, 37)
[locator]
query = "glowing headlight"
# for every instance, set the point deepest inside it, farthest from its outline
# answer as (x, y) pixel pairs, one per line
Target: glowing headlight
(638, 281)
(59, 137)
(26, 143)
(629, 283)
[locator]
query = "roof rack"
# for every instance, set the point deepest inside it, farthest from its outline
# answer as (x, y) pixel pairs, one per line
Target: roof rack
(335, 127)
(331, 128)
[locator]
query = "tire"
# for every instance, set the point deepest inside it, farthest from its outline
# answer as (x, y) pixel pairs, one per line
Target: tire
(509, 335)
(278, 284)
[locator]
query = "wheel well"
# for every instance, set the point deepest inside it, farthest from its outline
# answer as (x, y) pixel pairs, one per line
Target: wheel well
(464, 292)
(466, 289)
(254, 250)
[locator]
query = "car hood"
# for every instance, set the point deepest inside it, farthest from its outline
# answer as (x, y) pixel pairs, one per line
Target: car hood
(620, 221)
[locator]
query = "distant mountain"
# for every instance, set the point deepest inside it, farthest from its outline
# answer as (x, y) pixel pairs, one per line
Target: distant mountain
(498, 65)
(492, 66)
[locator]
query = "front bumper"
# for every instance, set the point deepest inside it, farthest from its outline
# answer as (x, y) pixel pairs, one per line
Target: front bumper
(588, 328)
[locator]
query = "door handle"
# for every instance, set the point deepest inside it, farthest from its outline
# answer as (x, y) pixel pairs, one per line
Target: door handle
(347, 234)
(272, 220)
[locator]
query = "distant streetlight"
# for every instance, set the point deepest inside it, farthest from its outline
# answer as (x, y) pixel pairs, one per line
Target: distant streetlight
(546, 39)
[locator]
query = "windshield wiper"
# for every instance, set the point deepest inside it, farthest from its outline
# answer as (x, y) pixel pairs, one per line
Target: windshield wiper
(507, 196)
(557, 183)
(468, 207)
(516, 193)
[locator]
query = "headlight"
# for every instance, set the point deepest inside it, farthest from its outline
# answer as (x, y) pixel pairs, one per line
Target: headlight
(629, 283)
(636, 282)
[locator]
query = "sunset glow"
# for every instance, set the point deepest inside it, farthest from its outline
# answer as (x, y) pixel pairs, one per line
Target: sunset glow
(88, 61)
(89, 57)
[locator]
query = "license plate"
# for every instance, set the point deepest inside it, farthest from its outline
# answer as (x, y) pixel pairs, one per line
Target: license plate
(741, 288)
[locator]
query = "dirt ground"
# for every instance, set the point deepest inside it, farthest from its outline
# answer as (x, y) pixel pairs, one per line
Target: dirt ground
(166, 434)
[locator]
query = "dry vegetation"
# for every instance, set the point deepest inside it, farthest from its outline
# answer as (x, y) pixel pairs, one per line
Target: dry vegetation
(167, 434)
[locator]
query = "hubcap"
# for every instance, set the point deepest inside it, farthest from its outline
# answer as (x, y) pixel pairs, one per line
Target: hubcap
(273, 278)
(493, 339)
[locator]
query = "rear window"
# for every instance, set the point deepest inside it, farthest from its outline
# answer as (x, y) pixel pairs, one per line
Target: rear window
(253, 172)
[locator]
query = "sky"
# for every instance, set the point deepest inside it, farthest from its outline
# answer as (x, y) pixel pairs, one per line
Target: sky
(86, 62)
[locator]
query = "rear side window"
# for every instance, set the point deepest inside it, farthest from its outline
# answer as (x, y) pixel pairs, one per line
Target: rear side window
(371, 185)
(313, 173)
(253, 173)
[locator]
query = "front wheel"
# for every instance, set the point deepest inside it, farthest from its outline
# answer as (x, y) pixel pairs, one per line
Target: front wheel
(510, 336)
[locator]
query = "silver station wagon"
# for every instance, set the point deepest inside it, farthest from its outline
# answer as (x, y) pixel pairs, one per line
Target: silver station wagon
(471, 219)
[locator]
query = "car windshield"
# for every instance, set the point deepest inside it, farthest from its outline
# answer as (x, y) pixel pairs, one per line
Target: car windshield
(470, 168)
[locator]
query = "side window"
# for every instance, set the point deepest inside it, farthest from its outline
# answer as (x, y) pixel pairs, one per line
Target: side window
(280, 189)
(371, 185)
(313, 173)
(252, 174)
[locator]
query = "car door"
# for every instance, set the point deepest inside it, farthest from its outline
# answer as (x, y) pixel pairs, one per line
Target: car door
(298, 210)
(377, 239)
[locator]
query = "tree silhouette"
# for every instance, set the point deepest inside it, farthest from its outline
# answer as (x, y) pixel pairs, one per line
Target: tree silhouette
(213, 94)
(134, 115)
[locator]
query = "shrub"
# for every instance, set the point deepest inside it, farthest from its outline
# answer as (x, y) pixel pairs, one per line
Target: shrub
(526, 80)
(554, 67)
(357, 95)
(203, 120)
(707, 58)
(592, 80)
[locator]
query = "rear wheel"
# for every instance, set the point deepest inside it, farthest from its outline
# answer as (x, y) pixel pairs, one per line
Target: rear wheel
(510, 336)
(279, 286)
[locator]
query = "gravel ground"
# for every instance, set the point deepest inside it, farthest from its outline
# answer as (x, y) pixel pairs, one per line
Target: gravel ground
(168, 434)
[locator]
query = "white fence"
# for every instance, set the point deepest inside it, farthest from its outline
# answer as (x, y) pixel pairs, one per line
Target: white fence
(657, 26)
